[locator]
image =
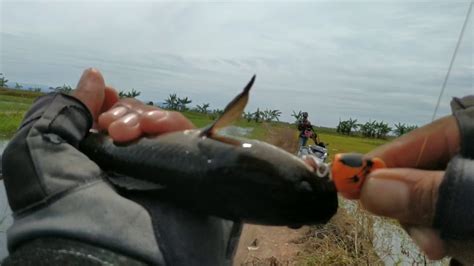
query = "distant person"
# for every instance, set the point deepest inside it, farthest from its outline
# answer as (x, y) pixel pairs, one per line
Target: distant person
(306, 130)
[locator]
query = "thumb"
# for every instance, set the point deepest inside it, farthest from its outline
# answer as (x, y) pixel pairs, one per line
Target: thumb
(408, 195)
(91, 91)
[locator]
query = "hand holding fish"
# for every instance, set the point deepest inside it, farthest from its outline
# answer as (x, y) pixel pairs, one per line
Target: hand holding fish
(124, 119)
(63, 204)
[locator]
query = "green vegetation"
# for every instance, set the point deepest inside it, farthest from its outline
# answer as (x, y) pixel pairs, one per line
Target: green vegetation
(64, 89)
(401, 129)
(339, 143)
(20, 93)
(9, 122)
(129, 94)
(3, 80)
(13, 105)
(173, 102)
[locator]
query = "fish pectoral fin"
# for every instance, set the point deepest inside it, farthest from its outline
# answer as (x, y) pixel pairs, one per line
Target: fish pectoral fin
(232, 111)
(130, 183)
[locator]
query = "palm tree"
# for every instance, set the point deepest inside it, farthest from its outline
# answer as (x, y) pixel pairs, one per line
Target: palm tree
(346, 126)
(18, 86)
(182, 102)
(3, 81)
(248, 116)
(368, 129)
(352, 124)
(258, 115)
(275, 114)
(63, 89)
(297, 116)
(172, 102)
(203, 108)
(400, 129)
(266, 115)
(382, 130)
(129, 94)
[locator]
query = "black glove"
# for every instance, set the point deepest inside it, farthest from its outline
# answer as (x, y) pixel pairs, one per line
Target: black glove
(56, 192)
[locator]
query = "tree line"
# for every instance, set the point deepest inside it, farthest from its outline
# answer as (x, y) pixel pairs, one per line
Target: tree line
(373, 129)
(173, 102)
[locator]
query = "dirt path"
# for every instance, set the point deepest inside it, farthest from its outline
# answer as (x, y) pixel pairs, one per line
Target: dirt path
(275, 245)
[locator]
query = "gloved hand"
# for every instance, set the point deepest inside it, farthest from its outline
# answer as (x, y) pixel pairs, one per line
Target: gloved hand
(57, 194)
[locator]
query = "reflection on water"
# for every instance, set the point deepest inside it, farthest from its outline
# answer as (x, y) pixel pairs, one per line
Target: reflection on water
(5, 213)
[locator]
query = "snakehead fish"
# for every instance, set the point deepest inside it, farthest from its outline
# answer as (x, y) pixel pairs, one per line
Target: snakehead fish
(233, 178)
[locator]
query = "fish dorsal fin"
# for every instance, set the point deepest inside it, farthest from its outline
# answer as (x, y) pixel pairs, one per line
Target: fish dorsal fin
(232, 111)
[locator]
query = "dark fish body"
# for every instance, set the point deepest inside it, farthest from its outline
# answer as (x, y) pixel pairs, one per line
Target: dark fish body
(254, 182)
(237, 179)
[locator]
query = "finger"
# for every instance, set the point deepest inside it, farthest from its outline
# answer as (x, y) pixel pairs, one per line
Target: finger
(109, 114)
(407, 195)
(105, 119)
(136, 105)
(428, 147)
(160, 121)
(90, 91)
(111, 98)
(428, 240)
(120, 108)
(126, 128)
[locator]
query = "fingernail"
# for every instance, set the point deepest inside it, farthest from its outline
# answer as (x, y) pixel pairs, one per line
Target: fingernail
(118, 111)
(156, 114)
(130, 119)
(387, 197)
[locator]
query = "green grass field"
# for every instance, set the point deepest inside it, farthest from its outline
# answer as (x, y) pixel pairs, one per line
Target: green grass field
(14, 103)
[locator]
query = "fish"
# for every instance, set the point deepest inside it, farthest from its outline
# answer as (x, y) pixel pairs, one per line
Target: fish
(238, 179)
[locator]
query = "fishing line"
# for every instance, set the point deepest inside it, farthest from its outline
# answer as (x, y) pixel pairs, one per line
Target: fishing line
(443, 87)
(461, 35)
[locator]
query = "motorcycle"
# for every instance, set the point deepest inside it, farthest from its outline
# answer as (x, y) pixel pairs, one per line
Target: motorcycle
(319, 151)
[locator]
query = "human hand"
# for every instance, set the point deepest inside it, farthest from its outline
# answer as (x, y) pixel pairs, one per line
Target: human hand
(124, 119)
(55, 191)
(407, 190)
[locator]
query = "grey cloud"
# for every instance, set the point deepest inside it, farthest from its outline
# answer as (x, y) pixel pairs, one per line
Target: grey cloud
(367, 60)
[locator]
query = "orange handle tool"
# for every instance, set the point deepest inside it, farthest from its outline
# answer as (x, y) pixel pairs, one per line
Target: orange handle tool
(349, 171)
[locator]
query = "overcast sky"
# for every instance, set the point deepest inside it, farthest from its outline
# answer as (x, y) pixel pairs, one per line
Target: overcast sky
(369, 60)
